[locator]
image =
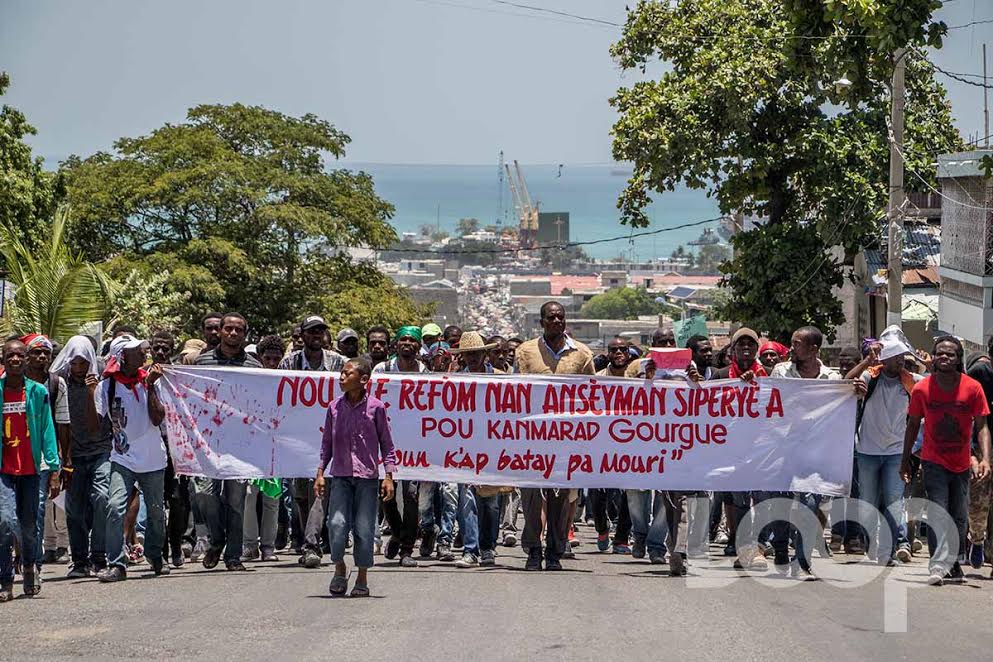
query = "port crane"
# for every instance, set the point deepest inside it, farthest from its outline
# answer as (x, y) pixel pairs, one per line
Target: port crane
(527, 212)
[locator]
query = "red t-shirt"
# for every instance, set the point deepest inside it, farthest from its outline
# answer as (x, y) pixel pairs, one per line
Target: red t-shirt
(18, 460)
(948, 420)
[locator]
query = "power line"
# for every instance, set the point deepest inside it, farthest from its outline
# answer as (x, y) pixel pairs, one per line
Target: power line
(458, 5)
(970, 24)
(959, 78)
(570, 244)
(557, 13)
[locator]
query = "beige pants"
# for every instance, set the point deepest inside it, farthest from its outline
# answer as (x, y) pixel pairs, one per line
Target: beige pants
(56, 533)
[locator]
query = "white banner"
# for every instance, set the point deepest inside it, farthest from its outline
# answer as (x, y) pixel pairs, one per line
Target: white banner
(526, 430)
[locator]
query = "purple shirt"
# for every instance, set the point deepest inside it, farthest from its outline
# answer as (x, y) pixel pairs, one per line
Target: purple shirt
(355, 437)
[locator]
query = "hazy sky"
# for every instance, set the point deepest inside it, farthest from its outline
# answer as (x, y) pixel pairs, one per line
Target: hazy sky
(411, 81)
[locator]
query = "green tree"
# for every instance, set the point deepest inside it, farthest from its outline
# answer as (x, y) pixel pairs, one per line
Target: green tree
(28, 194)
(467, 226)
(238, 204)
(143, 302)
(622, 303)
(56, 290)
(750, 112)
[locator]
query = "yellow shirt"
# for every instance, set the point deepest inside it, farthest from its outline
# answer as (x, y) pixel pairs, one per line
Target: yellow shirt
(534, 358)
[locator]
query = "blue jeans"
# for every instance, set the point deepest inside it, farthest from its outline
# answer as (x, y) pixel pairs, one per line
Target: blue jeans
(428, 497)
(222, 503)
(648, 506)
(479, 520)
(354, 506)
(87, 501)
(122, 482)
(18, 519)
(880, 485)
(40, 521)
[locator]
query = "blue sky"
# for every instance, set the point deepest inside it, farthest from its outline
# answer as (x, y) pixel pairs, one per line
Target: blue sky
(411, 81)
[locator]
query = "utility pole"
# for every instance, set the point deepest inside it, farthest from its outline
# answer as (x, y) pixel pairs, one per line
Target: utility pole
(894, 298)
(986, 103)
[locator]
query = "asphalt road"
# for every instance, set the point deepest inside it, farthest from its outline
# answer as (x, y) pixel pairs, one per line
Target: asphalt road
(602, 607)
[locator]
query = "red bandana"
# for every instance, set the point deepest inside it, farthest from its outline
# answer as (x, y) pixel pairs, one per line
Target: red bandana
(756, 368)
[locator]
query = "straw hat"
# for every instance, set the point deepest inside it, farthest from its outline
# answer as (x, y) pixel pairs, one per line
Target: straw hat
(472, 342)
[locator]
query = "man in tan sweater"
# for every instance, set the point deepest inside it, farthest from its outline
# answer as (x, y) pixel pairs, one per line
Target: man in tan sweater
(553, 353)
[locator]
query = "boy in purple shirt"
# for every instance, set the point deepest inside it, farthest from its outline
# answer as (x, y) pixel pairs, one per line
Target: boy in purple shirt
(356, 436)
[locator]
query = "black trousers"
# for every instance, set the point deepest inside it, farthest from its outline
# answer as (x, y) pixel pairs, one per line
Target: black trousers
(601, 500)
(403, 526)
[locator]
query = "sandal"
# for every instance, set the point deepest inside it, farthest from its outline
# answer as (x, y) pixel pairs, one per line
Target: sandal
(339, 585)
(359, 591)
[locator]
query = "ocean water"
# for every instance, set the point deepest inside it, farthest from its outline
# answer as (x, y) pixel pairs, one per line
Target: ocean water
(442, 194)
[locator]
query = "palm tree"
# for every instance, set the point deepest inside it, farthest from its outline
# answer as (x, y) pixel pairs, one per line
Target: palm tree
(56, 291)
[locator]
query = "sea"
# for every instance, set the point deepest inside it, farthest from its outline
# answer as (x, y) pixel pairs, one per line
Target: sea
(440, 195)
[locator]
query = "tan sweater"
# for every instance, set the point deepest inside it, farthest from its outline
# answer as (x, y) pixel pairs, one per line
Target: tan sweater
(534, 358)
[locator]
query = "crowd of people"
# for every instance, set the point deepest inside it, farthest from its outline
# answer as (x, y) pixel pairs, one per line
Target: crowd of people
(86, 420)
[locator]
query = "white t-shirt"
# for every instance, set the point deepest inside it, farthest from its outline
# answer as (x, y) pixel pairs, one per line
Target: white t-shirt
(138, 444)
(884, 419)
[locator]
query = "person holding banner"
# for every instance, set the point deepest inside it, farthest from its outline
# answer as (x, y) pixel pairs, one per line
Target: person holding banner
(222, 502)
(618, 356)
(552, 353)
(403, 525)
(356, 439)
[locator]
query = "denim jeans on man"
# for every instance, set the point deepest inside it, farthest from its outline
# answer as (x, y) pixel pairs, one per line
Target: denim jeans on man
(441, 498)
(40, 520)
(881, 487)
(354, 507)
(648, 522)
(479, 520)
(152, 484)
(87, 501)
(949, 491)
(222, 503)
(18, 519)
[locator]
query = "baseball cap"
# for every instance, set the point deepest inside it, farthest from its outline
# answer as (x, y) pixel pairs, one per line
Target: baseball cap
(347, 333)
(744, 332)
(430, 329)
(313, 322)
(125, 342)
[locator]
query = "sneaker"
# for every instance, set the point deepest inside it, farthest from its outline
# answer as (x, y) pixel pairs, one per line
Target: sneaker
(468, 560)
(534, 560)
(427, 543)
(677, 568)
(722, 538)
(568, 553)
(916, 546)
(211, 557)
(6, 593)
(656, 557)
(730, 549)
(235, 566)
(603, 541)
(269, 555)
(48, 557)
(159, 567)
(136, 555)
(408, 561)
(936, 578)
(638, 550)
(573, 542)
(199, 550)
(78, 572)
(392, 547)
(955, 575)
(903, 555)
(487, 558)
(178, 559)
(445, 553)
(781, 561)
(854, 546)
(509, 539)
(622, 549)
(836, 543)
(187, 550)
(251, 554)
(311, 559)
(976, 556)
(553, 564)
(112, 573)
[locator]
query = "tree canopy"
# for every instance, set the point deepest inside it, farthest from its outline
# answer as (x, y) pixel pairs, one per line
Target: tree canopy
(239, 205)
(750, 111)
(622, 303)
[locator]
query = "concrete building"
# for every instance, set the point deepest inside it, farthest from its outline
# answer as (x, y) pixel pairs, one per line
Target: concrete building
(443, 294)
(966, 299)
